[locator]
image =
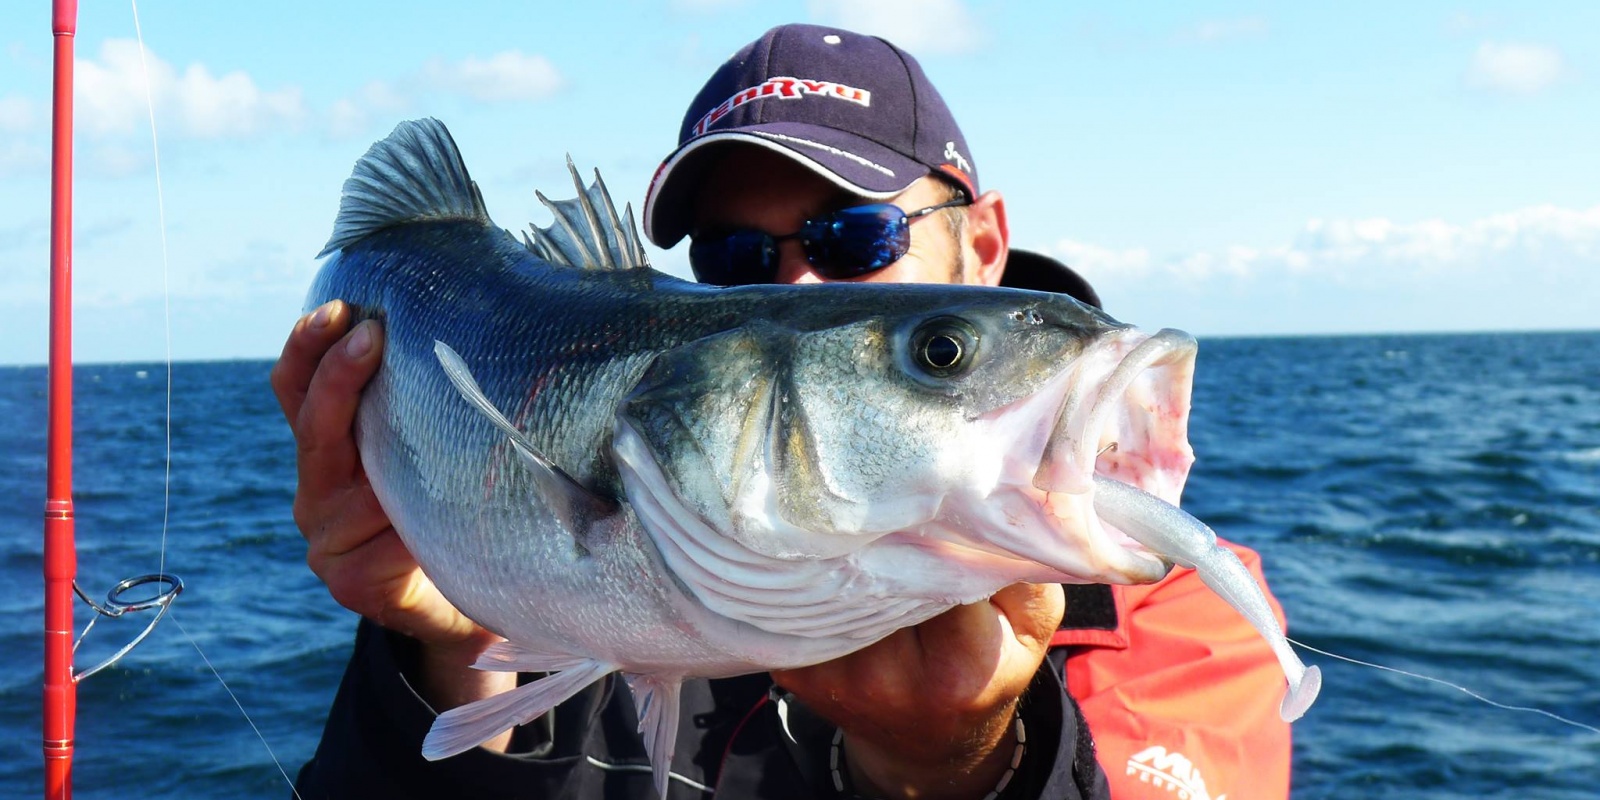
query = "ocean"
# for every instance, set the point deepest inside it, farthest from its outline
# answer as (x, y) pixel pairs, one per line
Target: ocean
(1426, 502)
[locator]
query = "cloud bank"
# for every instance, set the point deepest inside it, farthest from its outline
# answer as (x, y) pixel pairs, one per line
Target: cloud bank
(507, 76)
(1376, 250)
(1530, 269)
(196, 102)
(111, 97)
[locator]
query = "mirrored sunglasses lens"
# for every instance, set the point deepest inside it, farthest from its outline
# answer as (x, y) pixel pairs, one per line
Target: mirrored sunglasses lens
(855, 241)
(736, 259)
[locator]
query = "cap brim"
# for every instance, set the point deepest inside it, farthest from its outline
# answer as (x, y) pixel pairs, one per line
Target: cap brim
(854, 164)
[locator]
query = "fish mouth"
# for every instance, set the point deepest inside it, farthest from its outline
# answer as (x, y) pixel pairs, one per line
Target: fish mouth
(1123, 415)
(1133, 429)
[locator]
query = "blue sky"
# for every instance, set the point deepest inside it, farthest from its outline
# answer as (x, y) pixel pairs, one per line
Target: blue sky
(1227, 168)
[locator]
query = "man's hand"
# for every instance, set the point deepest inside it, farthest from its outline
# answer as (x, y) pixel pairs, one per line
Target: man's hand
(351, 545)
(927, 711)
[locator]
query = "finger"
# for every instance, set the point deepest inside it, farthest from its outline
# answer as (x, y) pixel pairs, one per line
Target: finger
(324, 436)
(1033, 611)
(310, 338)
(963, 651)
(336, 520)
(381, 580)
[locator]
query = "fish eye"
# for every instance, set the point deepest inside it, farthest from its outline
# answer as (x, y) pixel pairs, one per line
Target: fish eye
(943, 347)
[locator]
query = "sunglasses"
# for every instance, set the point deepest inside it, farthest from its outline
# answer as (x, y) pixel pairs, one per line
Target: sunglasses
(844, 244)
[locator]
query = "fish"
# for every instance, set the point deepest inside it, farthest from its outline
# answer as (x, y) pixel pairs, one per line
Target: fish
(616, 470)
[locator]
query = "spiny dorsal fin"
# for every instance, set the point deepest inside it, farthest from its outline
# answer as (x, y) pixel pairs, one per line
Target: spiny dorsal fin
(587, 233)
(415, 174)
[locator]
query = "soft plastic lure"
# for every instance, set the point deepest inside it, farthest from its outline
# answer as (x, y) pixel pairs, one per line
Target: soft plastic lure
(1174, 533)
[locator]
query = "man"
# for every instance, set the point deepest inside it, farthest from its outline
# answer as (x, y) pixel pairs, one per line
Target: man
(806, 129)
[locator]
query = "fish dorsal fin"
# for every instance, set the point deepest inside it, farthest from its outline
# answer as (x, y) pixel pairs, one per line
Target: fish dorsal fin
(587, 233)
(415, 174)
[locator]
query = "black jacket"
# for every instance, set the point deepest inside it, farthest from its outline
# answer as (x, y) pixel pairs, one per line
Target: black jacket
(738, 737)
(732, 741)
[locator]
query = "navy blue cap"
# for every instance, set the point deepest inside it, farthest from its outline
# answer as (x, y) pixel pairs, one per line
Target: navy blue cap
(854, 109)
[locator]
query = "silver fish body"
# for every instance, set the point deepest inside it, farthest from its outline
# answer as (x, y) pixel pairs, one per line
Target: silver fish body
(617, 470)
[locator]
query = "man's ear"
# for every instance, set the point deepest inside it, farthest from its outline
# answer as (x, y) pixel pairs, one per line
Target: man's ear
(989, 237)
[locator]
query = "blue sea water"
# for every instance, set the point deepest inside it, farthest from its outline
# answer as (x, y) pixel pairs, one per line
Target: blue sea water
(1431, 503)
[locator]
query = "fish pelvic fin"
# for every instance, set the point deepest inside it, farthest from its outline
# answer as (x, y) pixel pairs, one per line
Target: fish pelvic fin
(587, 232)
(656, 698)
(461, 729)
(574, 504)
(513, 657)
(416, 174)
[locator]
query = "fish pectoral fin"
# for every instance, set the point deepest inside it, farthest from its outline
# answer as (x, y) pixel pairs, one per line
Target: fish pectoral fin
(461, 729)
(656, 698)
(571, 501)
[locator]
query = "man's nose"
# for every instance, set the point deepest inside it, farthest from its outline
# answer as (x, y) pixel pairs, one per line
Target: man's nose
(793, 266)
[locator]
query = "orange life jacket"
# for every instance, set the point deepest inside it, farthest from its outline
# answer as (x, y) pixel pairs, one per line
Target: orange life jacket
(1180, 692)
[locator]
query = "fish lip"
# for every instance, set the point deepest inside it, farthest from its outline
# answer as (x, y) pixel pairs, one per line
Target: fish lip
(1141, 406)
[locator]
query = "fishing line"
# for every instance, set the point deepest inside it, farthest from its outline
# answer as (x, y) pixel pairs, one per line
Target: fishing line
(166, 283)
(166, 301)
(238, 705)
(1474, 695)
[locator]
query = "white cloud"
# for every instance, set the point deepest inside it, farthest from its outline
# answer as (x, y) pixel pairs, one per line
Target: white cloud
(1218, 30)
(922, 27)
(112, 101)
(1515, 68)
(1544, 239)
(507, 76)
(1097, 260)
(510, 75)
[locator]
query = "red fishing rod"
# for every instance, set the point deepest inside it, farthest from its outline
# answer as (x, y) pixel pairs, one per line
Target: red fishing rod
(60, 546)
(60, 549)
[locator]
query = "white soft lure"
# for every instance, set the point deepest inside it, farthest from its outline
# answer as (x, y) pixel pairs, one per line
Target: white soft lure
(1176, 534)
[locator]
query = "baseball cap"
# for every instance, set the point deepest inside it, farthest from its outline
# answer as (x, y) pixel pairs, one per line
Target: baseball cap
(854, 109)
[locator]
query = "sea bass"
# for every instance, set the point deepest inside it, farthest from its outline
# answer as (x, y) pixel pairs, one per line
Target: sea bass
(616, 470)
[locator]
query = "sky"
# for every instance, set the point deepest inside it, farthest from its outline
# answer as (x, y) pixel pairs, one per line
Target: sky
(1226, 168)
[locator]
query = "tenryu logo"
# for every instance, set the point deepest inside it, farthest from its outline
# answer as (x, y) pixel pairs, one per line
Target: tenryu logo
(783, 88)
(1172, 771)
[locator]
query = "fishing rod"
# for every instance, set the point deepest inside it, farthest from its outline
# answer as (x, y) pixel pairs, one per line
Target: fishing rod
(60, 546)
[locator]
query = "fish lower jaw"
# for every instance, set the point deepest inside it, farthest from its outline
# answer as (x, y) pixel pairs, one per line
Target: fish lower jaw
(1155, 462)
(1078, 508)
(1069, 538)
